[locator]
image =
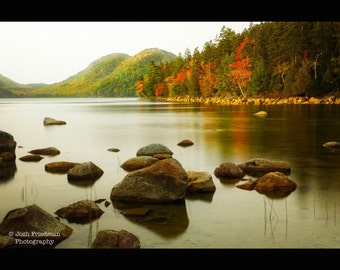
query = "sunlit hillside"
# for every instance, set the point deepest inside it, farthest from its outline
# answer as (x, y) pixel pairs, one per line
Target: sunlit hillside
(109, 76)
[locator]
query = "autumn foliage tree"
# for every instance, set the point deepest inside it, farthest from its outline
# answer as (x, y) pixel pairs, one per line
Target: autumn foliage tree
(208, 79)
(288, 58)
(180, 80)
(140, 88)
(161, 89)
(241, 73)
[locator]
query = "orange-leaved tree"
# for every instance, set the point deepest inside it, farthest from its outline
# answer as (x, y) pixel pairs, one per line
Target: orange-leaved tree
(181, 79)
(241, 73)
(161, 89)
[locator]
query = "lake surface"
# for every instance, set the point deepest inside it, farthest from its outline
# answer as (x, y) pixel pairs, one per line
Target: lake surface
(228, 218)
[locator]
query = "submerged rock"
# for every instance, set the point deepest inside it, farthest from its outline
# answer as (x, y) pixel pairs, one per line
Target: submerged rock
(229, 170)
(185, 143)
(59, 166)
(48, 151)
(81, 212)
(32, 157)
(332, 145)
(261, 166)
(51, 121)
(261, 113)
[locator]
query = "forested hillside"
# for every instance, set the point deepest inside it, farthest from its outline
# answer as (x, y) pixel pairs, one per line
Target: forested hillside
(114, 75)
(9, 87)
(267, 59)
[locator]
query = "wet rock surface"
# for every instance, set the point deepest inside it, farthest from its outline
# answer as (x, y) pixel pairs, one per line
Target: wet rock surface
(47, 151)
(48, 121)
(60, 166)
(162, 182)
(32, 227)
(82, 212)
(115, 239)
(84, 171)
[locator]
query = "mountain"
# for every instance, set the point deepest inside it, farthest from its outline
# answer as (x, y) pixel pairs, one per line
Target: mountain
(9, 88)
(113, 75)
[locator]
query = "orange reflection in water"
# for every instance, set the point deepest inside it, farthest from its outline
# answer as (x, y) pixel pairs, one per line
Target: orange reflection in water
(239, 133)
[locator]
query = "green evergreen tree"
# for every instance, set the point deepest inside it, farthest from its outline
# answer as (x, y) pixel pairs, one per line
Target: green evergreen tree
(193, 79)
(259, 80)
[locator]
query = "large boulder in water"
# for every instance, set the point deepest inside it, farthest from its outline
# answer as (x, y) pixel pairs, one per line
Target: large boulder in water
(7, 149)
(164, 181)
(32, 227)
(7, 155)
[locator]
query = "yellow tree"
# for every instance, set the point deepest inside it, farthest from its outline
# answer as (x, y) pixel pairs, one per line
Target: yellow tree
(208, 79)
(140, 88)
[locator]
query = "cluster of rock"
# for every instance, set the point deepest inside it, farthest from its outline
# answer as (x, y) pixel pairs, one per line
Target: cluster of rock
(153, 178)
(37, 154)
(33, 227)
(270, 176)
(169, 173)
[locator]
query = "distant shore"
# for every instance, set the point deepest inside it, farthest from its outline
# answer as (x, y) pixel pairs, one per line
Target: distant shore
(331, 99)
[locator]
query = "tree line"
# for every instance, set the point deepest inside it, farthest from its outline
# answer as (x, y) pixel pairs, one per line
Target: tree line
(267, 59)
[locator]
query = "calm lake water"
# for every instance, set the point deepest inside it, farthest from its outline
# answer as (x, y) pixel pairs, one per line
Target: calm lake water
(228, 218)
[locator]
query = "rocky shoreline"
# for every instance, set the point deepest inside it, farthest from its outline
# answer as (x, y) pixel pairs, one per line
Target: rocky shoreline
(331, 99)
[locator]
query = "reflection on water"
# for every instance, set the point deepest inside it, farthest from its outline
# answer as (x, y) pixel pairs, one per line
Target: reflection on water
(29, 192)
(272, 218)
(81, 183)
(7, 173)
(229, 217)
(166, 220)
(205, 197)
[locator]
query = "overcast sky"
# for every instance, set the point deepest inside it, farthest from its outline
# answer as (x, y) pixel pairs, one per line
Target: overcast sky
(50, 52)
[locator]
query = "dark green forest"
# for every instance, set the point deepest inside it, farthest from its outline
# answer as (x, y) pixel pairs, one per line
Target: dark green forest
(270, 59)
